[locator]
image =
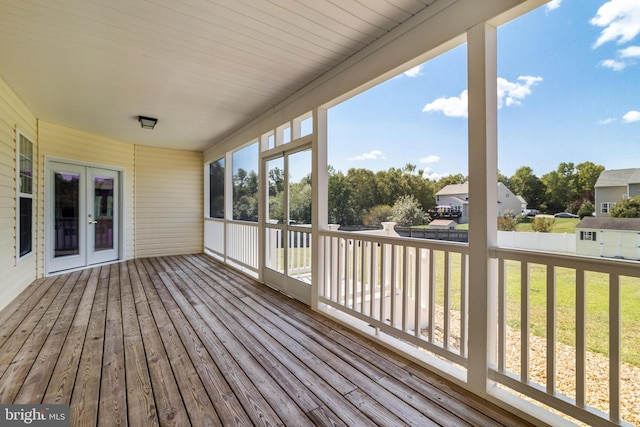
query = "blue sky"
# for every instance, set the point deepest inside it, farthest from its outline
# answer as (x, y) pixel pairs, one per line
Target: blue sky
(568, 91)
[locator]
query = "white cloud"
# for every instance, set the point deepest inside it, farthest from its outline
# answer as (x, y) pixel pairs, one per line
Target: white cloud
(631, 116)
(620, 20)
(372, 155)
(414, 72)
(553, 4)
(606, 121)
(511, 93)
(430, 159)
(630, 52)
(613, 64)
(456, 106)
(428, 173)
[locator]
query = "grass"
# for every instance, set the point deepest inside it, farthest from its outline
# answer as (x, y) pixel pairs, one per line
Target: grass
(561, 225)
(597, 306)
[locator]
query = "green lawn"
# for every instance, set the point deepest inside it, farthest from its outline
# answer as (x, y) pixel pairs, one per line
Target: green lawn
(560, 225)
(597, 291)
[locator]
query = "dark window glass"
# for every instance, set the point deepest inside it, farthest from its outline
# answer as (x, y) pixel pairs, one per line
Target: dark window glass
(216, 189)
(26, 219)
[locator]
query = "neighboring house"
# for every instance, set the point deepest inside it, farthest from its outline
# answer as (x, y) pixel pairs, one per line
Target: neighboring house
(457, 197)
(609, 237)
(615, 185)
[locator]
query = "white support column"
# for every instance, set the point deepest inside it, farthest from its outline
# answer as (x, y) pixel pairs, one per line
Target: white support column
(228, 199)
(320, 200)
(483, 166)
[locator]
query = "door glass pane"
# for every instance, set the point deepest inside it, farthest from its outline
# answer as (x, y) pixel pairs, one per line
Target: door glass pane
(274, 254)
(275, 179)
(66, 214)
(103, 213)
(300, 188)
(275, 215)
(299, 240)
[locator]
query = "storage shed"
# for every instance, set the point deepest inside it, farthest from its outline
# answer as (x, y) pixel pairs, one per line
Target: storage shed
(609, 237)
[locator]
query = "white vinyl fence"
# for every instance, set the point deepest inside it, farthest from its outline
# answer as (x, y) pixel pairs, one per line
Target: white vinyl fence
(548, 242)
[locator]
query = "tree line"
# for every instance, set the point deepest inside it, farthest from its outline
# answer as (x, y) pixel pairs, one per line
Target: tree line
(362, 196)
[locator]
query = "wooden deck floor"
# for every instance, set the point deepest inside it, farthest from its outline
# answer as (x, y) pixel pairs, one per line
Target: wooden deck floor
(186, 341)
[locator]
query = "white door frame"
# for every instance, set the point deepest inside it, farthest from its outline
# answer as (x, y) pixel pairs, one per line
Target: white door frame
(283, 281)
(119, 209)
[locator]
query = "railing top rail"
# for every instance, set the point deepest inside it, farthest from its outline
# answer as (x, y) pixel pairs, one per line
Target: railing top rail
(580, 262)
(241, 222)
(441, 245)
(208, 218)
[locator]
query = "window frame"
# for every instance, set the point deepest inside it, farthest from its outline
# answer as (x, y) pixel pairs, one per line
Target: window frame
(605, 207)
(590, 236)
(20, 195)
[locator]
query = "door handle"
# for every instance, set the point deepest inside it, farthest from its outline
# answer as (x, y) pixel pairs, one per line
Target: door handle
(93, 222)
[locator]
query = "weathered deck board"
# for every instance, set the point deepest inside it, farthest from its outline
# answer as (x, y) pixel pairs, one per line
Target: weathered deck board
(186, 341)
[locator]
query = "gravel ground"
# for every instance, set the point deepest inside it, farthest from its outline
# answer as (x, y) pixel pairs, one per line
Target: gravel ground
(597, 369)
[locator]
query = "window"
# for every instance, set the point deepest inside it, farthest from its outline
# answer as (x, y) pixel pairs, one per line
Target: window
(24, 214)
(245, 183)
(216, 189)
(606, 207)
(588, 235)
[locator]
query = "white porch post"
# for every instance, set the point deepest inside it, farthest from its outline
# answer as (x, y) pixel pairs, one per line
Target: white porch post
(228, 199)
(483, 167)
(320, 200)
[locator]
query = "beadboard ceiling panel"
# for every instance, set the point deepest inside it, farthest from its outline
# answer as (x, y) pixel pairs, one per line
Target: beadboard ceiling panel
(204, 68)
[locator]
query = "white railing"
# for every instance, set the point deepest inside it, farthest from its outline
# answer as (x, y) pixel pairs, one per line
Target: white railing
(242, 244)
(298, 251)
(413, 289)
(214, 236)
(533, 303)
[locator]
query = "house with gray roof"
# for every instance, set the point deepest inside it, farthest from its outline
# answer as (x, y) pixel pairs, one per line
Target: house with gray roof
(615, 185)
(456, 197)
(609, 237)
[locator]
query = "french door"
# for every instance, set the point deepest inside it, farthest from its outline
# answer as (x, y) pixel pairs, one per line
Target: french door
(83, 216)
(288, 224)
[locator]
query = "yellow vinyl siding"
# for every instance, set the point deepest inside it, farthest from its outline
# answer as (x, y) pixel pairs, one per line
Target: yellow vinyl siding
(16, 275)
(65, 143)
(169, 202)
(163, 191)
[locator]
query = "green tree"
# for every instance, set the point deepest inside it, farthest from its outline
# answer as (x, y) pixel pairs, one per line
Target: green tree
(586, 209)
(587, 175)
(245, 195)
(542, 224)
(363, 195)
(526, 184)
(628, 208)
(561, 187)
(377, 215)
(300, 196)
(340, 210)
(505, 180)
(407, 212)
(508, 221)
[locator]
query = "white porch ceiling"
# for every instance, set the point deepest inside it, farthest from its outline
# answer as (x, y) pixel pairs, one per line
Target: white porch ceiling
(204, 68)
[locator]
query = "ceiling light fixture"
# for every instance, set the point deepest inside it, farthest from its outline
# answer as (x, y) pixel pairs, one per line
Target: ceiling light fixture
(147, 122)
